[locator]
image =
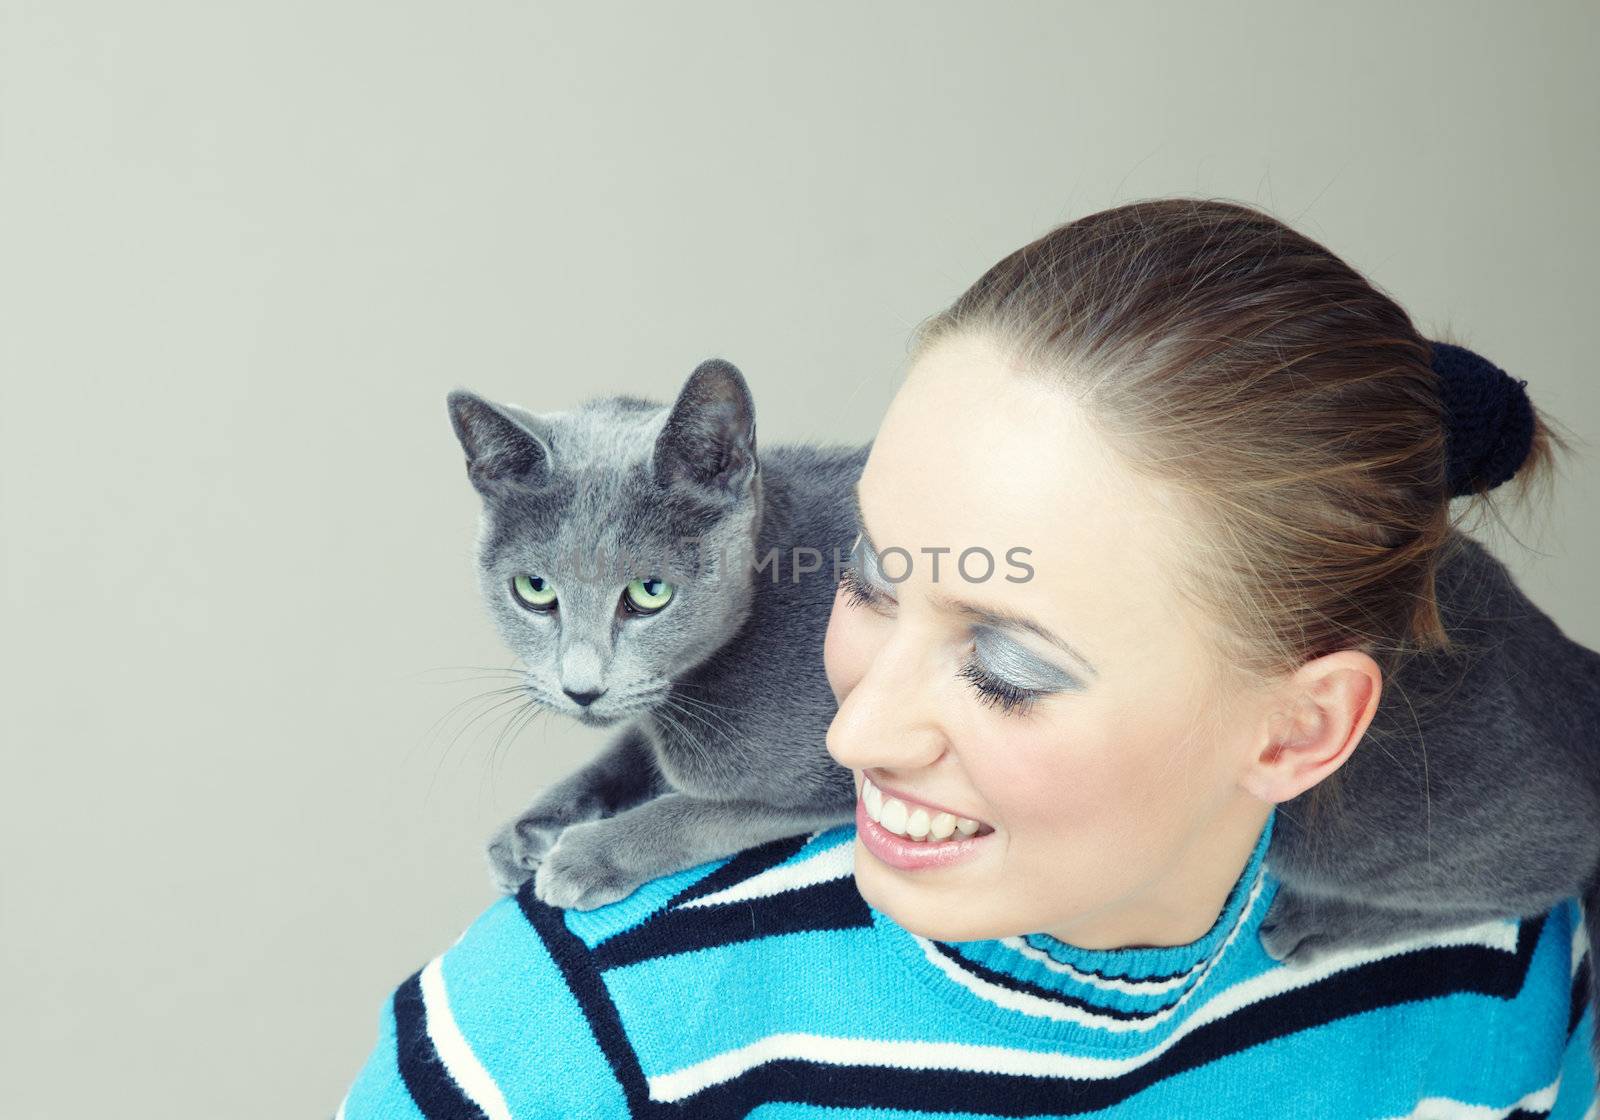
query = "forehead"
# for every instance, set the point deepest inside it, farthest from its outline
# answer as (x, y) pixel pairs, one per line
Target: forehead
(975, 453)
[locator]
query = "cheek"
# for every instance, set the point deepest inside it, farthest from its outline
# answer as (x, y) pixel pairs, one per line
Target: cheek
(1071, 776)
(1119, 779)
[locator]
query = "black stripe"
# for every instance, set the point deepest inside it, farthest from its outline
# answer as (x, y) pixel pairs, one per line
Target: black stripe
(1580, 994)
(435, 1092)
(741, 866)
(1408, 977)
(829, 905)
(572, 957)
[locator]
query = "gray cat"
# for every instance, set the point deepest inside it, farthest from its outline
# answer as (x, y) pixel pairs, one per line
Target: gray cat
(714, 670)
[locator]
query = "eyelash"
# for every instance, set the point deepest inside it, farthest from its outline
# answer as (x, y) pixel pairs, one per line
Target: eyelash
(859, 594)
(998, 693)
(991, 689)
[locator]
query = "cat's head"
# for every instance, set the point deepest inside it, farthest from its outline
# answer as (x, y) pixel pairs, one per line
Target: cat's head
(614, 537)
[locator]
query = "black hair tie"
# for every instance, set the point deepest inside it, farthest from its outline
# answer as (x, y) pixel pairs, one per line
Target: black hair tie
(1488, 419)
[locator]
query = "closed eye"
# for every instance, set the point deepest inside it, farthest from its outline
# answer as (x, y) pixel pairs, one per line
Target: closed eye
(857, 590)
(991, 689)
(998, 693)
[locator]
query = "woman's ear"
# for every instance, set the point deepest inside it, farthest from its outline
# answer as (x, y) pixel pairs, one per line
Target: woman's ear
(1323, 711)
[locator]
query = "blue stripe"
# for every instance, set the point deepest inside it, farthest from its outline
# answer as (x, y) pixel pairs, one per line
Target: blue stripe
(1578, 1076)
(571, 956)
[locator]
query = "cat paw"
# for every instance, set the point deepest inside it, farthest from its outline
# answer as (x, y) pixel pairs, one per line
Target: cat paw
(504, 869)
(577, 873)
(1291, 947)
(516, 851)
(1289, 935)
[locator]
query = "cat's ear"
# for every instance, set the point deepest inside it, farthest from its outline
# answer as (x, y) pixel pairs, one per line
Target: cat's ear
(502, 453)
(709, 439)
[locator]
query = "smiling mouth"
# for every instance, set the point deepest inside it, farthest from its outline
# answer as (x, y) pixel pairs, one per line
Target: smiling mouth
(913, 820)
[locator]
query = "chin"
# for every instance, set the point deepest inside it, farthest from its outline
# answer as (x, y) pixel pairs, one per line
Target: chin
(596, 719)
(940, 916)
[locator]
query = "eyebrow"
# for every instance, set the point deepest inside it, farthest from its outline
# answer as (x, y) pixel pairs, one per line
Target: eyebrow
(998, 617)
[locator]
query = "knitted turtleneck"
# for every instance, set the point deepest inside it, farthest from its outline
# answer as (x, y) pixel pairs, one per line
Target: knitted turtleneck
(764, 984)
(1108, 1000)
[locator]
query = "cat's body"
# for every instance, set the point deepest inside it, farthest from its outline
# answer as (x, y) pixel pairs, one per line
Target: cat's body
(721, 698)
(1474, 794)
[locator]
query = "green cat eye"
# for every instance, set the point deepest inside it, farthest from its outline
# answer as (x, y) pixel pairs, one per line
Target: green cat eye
(648, 594)
(535, 592)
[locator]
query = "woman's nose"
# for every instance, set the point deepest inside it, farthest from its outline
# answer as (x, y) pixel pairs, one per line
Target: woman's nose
(890, 719)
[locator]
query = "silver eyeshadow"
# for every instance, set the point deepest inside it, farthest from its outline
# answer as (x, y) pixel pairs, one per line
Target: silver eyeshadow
(1000, 655)
(1018, 666)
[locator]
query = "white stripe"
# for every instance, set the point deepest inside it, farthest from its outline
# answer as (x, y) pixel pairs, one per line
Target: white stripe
(833, 862)
(1499, 934)
(902, 1054)
(913, 1054)
(340, 1115)
(1580, 943)
(1448, 1108)
(459, 1060)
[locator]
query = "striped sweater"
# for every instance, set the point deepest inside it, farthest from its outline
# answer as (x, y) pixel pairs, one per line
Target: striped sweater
(763, 984)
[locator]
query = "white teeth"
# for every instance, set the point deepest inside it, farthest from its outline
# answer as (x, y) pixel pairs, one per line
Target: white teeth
(894, 816)
(913, 824)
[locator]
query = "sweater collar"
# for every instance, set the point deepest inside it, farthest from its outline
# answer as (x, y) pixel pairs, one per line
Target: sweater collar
(1110, 999)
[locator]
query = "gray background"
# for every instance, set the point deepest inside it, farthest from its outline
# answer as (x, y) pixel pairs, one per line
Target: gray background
(248, 248)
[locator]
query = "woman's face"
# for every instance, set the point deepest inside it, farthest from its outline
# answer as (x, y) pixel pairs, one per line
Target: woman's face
(1108, 794)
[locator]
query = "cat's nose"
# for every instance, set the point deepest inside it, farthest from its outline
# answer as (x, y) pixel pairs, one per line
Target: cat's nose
(585, 698)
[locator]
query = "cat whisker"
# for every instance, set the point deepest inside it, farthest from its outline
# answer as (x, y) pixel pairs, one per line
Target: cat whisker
(496, 670)
(519, 714)
(514, 728)
(451, 711)
(708, 710)
(680, 693)
(700, 721)
(672, 703)
(664, 713)
(454, 738)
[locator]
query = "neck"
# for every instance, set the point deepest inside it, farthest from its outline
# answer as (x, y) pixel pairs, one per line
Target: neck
(1182, 903)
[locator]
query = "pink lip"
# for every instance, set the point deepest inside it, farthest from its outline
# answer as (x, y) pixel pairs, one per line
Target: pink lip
(912, 855)
(913, 802)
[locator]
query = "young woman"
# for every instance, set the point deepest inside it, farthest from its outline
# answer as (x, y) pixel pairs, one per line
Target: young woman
(1223, 455)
